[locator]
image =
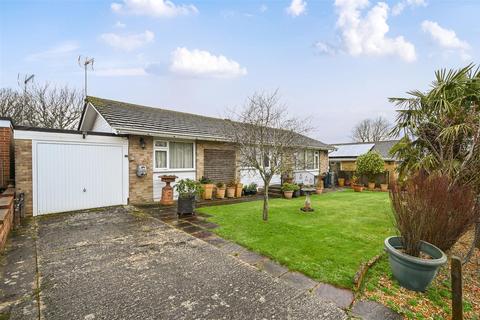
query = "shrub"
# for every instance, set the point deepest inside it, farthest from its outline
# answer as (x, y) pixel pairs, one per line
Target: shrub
(188, 187)
(205, 180)
(220, 185)
(289, 187)
(432, 209)
(370, 164)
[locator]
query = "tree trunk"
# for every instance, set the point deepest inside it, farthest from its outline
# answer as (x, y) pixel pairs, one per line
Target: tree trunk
(477, 235)
(265, 202)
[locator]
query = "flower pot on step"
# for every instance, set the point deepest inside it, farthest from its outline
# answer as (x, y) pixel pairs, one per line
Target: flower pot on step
(384, 187)
(239, 189)
(341, 182)
(371, 186)
(220, 193)
(357, 187)
(231, 192)
(208, 191)
(411, 272)
(288, 194)
(186, 204)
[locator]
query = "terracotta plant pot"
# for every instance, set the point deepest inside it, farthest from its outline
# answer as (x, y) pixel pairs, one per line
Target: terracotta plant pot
(220, 193)
(341, 182)
(357, 188)
(384, 187)
(347, 183)
(288, 194)
(231, 192)
(371, 186)
(238, 192)
(208, 191)
(319, 190)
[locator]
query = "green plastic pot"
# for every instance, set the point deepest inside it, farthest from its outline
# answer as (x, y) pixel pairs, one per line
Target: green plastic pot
(411, 272)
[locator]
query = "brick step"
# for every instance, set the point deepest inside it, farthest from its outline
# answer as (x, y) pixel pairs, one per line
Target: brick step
(10, 192)
(6, 202)
(3, 215)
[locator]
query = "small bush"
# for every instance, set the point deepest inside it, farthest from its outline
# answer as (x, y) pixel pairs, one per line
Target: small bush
(370, 164)
(289, 187)
(432, 209)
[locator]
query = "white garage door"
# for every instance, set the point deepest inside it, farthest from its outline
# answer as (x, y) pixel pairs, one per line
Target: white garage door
(73, 176)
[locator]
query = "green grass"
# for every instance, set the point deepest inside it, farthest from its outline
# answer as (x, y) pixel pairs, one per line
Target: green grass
(346, 229)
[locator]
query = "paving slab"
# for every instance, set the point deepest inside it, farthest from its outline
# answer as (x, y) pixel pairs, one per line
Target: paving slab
(371, 310)
(202, 234)
(341, 297)
(272, 268)
(111, 264)
(250, 257)
(299, 281)
(216, 241)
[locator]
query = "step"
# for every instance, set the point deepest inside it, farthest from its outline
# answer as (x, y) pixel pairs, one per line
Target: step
(3, 214)
(10, 192)
(6, 202)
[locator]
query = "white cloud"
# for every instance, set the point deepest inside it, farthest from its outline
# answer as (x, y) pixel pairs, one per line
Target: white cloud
(128, 42)
(296, 8)
(446, 38)
(400, 6)
(120, 72)
(203, 63)
(263, 8)
(367, 34)
(120, 25)
(154, 8)
(325, 48)
(55, 52)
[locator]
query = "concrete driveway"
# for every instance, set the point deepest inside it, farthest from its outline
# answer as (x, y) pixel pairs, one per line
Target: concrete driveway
(120, 263)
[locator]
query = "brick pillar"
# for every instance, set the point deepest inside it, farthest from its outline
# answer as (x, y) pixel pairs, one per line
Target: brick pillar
(6, 152)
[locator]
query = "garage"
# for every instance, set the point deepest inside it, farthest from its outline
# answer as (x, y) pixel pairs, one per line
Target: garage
(73, 171)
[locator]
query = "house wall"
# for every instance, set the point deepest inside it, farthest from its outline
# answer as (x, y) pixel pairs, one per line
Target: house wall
(6, 153)
(200, 155)
(390, 166)
(23, 172)
(140, 188)
(100, 125)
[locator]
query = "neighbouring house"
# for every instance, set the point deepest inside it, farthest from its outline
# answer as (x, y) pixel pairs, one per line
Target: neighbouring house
(121, 150)
(343, 159)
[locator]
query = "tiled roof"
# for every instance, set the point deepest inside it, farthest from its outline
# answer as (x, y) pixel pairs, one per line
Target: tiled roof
(124, 116)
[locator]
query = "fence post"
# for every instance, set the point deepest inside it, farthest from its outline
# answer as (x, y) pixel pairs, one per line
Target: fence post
(456, 272)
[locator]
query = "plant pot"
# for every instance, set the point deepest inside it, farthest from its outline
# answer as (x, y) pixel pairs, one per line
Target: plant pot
(208, 191)
(238, 192)
(288, 194)
(341, 182)
(220, 193)
(296, 193)
(186, 204)
(347, 182)
(319, 190)
(357, 188)
(231, 192)
(371, 186)
(384, 187)
(411, 272)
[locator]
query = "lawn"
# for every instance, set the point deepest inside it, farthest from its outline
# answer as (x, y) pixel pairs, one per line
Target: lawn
(346, 229)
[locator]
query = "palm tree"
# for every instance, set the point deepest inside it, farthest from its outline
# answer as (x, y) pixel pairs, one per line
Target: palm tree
(441, 128)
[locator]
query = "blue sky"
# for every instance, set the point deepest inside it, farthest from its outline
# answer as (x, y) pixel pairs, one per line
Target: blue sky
(335, 62)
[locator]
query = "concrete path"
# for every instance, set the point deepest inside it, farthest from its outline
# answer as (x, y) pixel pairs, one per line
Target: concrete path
(120, 263)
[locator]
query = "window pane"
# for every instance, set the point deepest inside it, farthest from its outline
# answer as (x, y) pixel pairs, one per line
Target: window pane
(309, 159)
(160, 159)
(181, 155)
(317, 160)
(161, 144)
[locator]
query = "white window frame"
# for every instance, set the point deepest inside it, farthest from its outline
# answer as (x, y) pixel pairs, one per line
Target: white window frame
(316, 160)
(167, 149)
(304, 165)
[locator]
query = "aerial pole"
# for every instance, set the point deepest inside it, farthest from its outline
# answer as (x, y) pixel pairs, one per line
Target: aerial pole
(85, 62)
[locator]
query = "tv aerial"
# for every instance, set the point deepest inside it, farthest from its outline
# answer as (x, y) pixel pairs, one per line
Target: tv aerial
(23, 81)
(85, 63)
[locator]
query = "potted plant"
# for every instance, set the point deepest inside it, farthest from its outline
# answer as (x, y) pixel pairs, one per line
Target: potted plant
(220, 190)
(231, 187)
(431, 213)
(187, 190)
(370, 164)
(384, 187)
(239, 188)
(341, 182)
(297, 192)
(207, 188)
(252, 188)
(357, 187)
(288, 189)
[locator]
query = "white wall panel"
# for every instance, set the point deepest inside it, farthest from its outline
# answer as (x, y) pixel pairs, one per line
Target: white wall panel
(158, 184)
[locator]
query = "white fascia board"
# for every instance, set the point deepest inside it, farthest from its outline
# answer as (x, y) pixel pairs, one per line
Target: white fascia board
(168, 135)
(67, 137)
(5, 124)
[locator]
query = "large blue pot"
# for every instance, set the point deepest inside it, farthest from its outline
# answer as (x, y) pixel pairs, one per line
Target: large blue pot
(411, 272)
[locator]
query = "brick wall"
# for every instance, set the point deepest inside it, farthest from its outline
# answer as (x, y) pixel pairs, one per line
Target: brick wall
(200, 155)
(323, 161)
(141, 188)
(219, 165)
(23, 172)
(6, 156)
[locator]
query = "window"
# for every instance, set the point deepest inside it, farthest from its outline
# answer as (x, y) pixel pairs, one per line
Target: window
(173, 155)
(312, 159)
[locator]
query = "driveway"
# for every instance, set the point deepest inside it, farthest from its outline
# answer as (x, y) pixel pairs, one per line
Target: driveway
(120, 263)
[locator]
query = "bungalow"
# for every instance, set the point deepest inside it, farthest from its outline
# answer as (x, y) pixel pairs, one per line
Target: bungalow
(343, 159)
(121, 150)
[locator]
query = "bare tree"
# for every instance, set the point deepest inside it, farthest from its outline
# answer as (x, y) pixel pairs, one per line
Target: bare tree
(372, 130)
(266, 137)
(42, 106)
